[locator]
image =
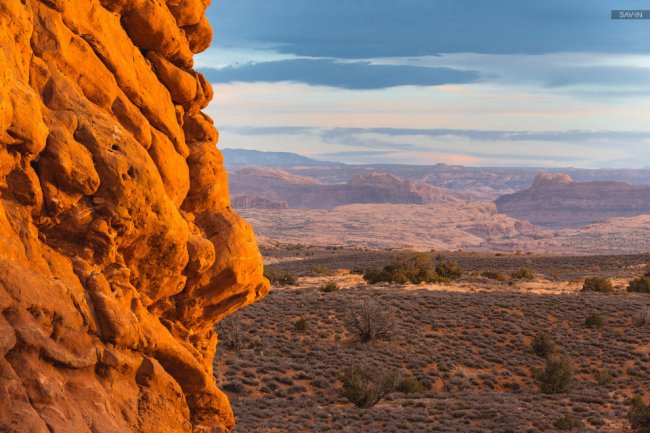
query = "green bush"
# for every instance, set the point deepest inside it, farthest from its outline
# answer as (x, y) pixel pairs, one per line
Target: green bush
(597, 284)
(594, 320)
(413, 268)
(366, 386)
(640, 285)
(639, 415)
(409, 385)
(330, 287)
(449, 269)
(543, 344)
(301, 325)
(567, 422)
(556, 377)
(522, 274)
(280, 278)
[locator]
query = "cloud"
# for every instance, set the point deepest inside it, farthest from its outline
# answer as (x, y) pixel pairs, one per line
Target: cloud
(274, 130)
(622, 75)
(345, 134)
(375, 28)
(346, 75)
(579, 148)
(357, 153)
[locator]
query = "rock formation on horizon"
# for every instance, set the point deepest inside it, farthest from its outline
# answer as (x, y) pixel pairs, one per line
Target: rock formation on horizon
(118, 247)
(307, 193)
(556, 201)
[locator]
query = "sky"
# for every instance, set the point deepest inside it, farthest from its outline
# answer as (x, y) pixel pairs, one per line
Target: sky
(544, 83)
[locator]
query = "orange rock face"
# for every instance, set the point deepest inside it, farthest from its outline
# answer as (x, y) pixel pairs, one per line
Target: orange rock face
(118, 247)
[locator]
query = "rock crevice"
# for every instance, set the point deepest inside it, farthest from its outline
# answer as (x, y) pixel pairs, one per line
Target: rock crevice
(118, 246)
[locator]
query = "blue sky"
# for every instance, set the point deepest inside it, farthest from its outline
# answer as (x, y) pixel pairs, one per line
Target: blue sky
(472, 82)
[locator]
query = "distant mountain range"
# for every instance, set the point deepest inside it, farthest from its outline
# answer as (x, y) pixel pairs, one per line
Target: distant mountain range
(244, 157)
(272, 186)
(488, 183)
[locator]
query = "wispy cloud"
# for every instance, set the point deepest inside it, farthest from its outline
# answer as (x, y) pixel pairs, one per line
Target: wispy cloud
(347, 75)
(367, 28)
(567, 136)
(474, 147)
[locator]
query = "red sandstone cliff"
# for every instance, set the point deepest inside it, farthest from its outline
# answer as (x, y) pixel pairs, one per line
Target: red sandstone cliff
(118, 246)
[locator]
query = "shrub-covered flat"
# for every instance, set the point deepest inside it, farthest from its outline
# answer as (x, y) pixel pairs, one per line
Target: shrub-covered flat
(471, 354)
(304, 259)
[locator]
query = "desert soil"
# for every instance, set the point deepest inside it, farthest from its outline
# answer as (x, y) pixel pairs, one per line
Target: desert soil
(467, 225)
(467, 343)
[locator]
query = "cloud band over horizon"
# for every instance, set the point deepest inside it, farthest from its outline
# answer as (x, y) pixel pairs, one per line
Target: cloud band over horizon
(557, 83)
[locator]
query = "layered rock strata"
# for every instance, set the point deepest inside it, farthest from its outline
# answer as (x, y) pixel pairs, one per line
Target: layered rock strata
(118, 247)
(556, 201)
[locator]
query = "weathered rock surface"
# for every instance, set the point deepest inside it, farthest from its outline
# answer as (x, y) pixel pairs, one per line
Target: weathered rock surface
(308, 193)
(555, 201)
(118, 246)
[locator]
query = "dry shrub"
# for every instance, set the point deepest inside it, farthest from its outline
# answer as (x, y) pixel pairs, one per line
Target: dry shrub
(231, 333)
(594, 320)
(301, 325)
(642, 318)
(330, 287)
(369, 321)
(522, 274)
(494, 275)
(280, 278)
(410, 385)
(639, 415)
(543, 345)
(568, 422)
(449, 269)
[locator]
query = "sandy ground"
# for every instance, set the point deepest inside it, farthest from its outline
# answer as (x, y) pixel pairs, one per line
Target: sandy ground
(345, 280)
(471, 226)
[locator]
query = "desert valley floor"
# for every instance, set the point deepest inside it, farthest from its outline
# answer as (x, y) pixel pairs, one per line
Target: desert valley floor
(467, 344)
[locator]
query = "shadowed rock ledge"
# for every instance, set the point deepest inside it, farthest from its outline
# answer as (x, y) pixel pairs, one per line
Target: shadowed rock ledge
(118, 246)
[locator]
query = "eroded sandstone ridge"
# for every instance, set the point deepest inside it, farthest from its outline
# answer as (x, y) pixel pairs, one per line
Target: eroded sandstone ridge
(118, 247)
